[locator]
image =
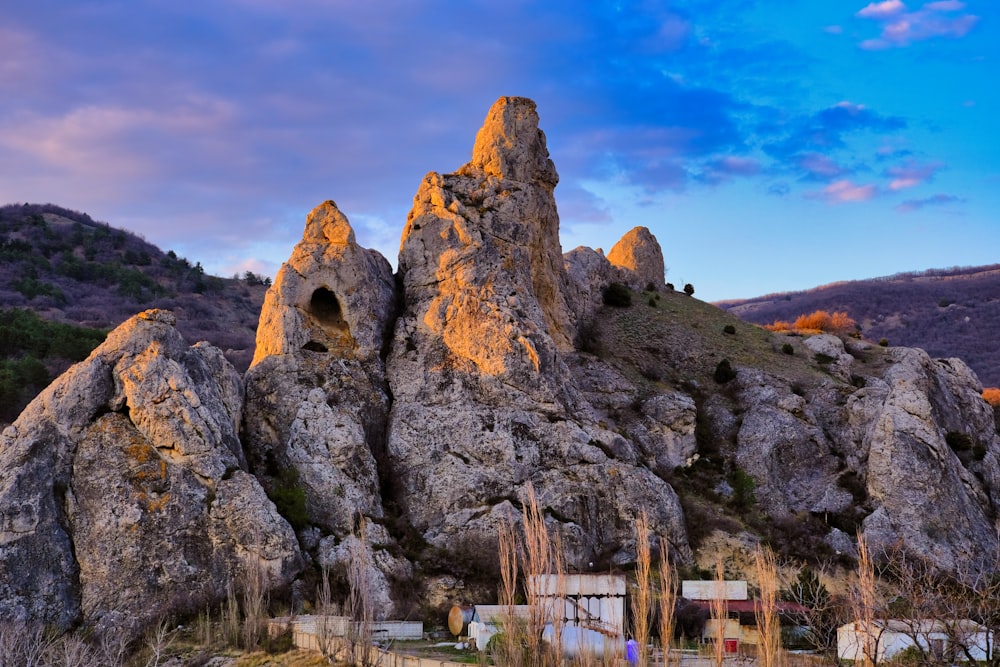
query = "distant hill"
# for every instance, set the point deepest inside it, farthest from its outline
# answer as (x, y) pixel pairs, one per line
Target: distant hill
(948, 312)
(73, 271)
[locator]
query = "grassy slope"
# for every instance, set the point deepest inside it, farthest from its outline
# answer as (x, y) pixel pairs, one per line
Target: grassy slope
(677, 344)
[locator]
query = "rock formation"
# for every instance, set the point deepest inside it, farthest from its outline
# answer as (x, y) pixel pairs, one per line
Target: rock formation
(484, 402)
(395, 420)
(317, 397)
(124, 489)
(639, 254)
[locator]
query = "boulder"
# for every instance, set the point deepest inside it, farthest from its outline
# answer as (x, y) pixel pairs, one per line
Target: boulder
(640, 258)
(124, 491)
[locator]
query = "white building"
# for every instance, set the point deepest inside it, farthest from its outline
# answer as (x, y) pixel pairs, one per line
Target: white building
(587, 601)
(956, 640)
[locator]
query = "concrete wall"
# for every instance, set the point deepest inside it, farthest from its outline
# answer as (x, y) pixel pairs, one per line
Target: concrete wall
(711, 590)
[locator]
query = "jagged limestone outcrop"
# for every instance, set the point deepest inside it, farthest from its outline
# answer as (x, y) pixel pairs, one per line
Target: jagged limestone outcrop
(317, 397)
(484, 402)
(910, 456)
(124, 493)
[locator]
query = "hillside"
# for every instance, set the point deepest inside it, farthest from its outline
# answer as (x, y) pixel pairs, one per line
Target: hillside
(73, 271)
(947, 312)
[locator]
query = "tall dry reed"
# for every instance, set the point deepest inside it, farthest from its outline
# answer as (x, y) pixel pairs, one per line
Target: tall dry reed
(668, 601)
(769, 652)
(642, 598)
(863, 601)
(719, 615)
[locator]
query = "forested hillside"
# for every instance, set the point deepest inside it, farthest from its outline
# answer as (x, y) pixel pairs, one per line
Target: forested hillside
(949, 312)
(82, 277)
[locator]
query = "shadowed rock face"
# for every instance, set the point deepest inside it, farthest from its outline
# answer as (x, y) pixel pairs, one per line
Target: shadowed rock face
(124, 490)
(425, 404)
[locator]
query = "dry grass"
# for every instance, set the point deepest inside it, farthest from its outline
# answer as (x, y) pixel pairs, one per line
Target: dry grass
(683, 339)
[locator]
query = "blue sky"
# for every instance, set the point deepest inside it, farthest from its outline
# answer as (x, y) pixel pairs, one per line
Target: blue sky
(770, 146)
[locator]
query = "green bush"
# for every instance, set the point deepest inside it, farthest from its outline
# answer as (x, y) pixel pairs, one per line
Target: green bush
(617, 295)
(884, 342)
(788, 349)
(289, 498)
(743, 485)
(724, 372)
(689, 289)
(729, 329)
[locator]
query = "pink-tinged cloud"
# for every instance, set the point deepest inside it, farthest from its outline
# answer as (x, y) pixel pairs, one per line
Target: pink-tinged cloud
(844, 191)
(820, 166)
(902, 28)
(739, 166)
(724, 169)
(945, 6)
(911, 205)
(911, 174)
(882, 10)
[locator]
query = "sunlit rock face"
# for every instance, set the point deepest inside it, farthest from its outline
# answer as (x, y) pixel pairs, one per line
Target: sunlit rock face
(484, 401)
(639, 254)
(124, 489)
(317, 398)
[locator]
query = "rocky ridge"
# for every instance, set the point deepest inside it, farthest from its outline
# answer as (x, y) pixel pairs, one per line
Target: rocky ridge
(407, 415)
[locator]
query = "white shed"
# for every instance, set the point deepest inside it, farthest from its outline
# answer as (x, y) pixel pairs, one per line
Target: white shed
(955, 640)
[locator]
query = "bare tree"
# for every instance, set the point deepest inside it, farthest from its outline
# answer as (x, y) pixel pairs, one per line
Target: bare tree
(359, 600)
(816, 609)
(537, 561)
(324, 609)
(158, 642)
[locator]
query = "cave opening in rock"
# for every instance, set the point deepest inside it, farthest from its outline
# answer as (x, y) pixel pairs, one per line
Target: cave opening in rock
(325, 307)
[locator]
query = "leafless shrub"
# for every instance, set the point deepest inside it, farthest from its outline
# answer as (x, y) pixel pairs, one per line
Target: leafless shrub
(158, 641)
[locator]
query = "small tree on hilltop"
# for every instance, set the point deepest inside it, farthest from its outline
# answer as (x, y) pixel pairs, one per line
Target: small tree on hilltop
(689, 289)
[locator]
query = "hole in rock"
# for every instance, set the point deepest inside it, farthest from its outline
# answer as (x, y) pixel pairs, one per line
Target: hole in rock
(326, 308)
(313, 346)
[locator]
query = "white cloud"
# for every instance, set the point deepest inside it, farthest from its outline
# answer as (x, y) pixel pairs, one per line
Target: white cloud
(882, 10)
(902, 28)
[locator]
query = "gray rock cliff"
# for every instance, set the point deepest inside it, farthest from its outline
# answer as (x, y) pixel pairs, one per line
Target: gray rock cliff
(123, 489)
